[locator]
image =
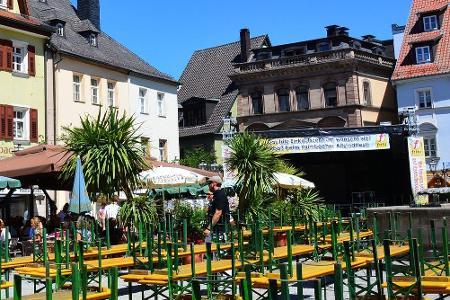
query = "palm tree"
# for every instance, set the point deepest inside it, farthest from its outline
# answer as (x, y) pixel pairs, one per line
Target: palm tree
(109, 149)
(255, 162)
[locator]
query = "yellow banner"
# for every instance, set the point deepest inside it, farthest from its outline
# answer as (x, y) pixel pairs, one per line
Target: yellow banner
(6, 149)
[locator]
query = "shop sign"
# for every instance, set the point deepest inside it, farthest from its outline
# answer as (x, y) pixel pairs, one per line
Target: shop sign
(6, 149)
(418, 168)
(339, 143)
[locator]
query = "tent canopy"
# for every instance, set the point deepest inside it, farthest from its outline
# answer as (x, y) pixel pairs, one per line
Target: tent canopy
(38, 165)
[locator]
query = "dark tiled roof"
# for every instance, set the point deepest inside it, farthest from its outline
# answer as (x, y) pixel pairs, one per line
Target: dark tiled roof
(441, 63)
(206, 76)
(109, 51)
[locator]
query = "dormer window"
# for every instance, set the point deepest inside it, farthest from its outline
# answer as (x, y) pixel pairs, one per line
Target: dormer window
(323, 47)
(93, 40)
(423, 55)
(430, 23)
(60, 29)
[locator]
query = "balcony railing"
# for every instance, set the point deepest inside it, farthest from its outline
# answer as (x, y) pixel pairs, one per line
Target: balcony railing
(312, 59)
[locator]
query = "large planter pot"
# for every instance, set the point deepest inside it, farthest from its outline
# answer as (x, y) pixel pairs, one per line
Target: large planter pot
(281, 239)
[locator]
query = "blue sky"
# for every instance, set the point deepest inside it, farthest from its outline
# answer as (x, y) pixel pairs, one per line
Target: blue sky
(166, 33)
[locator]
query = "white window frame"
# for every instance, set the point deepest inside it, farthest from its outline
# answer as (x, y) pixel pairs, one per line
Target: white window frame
(26, 123)
(93, 40)
(430, 20)
(424, 90)
(75, 86)
(163, 150)
(421, 51)
(95, 95)
(160, 104)
(111, 94)
(143, 101)
(3, 4)
(60, 29)
(426, 142)
(24, 57)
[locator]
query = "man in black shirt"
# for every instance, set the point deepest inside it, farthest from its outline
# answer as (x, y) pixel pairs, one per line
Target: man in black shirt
(219, 209)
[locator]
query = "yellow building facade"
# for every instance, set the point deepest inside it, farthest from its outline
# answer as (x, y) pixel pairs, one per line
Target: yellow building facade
(22, 78)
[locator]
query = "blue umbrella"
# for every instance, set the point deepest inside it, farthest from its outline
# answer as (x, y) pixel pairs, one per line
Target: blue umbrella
(79, 200)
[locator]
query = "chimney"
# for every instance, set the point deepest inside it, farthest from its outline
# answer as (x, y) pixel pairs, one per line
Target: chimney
(332, 30)
(89, 10)
(245, 45)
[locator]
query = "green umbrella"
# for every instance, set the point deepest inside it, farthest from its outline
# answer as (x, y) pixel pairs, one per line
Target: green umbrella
(6, 182)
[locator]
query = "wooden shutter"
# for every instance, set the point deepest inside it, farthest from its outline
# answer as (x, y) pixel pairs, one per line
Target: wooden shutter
(2, 121)
(10, 4)
(31, 60)
(34, 126)
(2, 56)
(9, 116)
(8, 49)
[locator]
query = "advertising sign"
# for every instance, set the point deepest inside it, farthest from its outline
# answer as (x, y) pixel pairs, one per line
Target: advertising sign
(418, 167)
(6, 149)
(340, 143)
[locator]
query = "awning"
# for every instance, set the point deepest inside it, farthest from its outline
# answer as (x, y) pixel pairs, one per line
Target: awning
(38, 165)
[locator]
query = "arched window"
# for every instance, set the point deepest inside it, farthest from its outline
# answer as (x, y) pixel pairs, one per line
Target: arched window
(428, 131)
(302, 98)
(257, 103)
(330, 94)
(367, 93)
(283, 100)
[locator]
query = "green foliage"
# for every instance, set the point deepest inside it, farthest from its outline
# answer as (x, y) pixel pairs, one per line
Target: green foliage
(194, 157)
(255, 161)
(109, 149)
(287, 168)
(307, 203)
(139, 210)
(195, 218)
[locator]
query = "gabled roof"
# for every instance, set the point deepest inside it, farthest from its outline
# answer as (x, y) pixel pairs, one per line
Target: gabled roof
(441, 63)
(24, 21)
(109, 51)
(206, 76)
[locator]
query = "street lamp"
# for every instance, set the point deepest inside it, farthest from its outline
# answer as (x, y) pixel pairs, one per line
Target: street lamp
(229, 127)
(202, 165)
(433, 165)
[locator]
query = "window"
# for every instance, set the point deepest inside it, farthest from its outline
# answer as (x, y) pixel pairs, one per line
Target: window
(283, 100)
(94, 91)
(430, 146)
(162, 150)
(60, 29)
(19, 59)
(20, 124)
(145, 146)
(424, 98)
(160, 99)
(143, 104)
(323, 47)
(76, 88)
(257, 103)
(367, 94)
(3, 3)
(423, 54)
(430, 23)
(111, 93)
(302, 98)
(93, 40)
(330, 94)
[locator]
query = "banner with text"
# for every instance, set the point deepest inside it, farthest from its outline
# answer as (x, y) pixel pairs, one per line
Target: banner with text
(418, 167)
(338, 143)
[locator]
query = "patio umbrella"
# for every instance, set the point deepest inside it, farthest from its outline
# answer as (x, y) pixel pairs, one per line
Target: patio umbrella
(282, 180)
(6, 182)
(163, 177)
(288, 181)
(79, 200)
